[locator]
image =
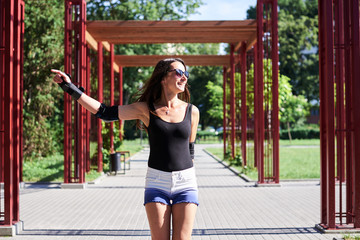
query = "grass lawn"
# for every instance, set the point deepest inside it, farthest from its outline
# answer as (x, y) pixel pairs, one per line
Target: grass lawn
(295, 162)
(51, 169)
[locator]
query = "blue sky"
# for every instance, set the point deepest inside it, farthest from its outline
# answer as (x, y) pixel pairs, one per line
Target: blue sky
(223, 10)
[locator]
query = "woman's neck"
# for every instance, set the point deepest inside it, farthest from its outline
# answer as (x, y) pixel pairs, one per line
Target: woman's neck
(169, 100)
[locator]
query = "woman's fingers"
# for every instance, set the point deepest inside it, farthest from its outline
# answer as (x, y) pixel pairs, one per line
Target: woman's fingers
(60, 76)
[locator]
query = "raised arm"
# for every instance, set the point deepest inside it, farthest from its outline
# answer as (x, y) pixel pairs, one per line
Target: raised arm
(133, 111)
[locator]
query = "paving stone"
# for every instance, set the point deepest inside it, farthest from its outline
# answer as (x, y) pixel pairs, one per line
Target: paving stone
(230, 208)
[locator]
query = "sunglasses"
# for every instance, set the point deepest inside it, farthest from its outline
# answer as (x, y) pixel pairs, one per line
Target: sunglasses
(180, 73)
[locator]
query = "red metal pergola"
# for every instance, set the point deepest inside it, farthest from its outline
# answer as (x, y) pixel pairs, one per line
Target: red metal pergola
(11, 63)
(242, 35)
(339, 56)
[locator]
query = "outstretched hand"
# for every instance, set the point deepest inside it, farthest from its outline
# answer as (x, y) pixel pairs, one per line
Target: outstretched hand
(60, 76)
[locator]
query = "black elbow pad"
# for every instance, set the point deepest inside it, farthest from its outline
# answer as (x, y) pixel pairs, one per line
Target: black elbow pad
(108, 114)
(192, 150)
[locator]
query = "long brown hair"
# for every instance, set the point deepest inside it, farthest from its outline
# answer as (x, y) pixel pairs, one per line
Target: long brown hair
(152, 89)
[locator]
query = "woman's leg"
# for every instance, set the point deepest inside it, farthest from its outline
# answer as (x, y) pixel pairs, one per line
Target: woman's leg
(183, 220)
(159, 215)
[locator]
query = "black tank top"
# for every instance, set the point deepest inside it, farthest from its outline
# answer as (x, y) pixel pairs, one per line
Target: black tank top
(169, 142)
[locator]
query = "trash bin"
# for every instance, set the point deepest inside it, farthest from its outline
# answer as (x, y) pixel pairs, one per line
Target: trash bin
(115, 162)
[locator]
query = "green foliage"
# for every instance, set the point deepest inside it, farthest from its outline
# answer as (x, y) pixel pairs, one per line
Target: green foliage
(215, 110)
(298, 39)
(236, 161)
(301, 133)
(141, 10)
(106, 150)
(43, 50)
(351, 237)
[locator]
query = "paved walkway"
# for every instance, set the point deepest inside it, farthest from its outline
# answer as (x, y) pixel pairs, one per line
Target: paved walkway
(230, 208)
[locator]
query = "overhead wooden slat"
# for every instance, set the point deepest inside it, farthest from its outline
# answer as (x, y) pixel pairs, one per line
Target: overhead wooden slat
(124, 32)
(170, 24)
(190, 60)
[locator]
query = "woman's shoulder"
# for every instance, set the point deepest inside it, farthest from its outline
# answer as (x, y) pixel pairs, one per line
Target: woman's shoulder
(140, 106)
(195, 110)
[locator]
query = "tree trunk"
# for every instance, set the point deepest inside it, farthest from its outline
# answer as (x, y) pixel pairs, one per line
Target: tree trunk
(289, 133)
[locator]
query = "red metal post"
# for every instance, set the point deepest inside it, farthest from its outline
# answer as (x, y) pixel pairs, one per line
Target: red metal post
(112, 89)
(83, 80)
(327, 113)
(349, 106)
(18, 9)
(120, 97)
(243, 103)
(259, 122)
(8, 113)
(355, 55)
(2, 88)
(100, 99)
(22, 12)
(224, 108)
(75, 17)
(275, 90)
(323, 172)
(67, 98)
(88, 114)
(340, 108)
(232, 99)
(256, 134)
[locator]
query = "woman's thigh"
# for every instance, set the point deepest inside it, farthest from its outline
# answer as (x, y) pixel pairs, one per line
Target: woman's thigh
(158, 215)
(183, 220)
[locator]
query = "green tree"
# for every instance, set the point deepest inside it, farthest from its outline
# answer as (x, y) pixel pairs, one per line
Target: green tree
(199, 78)
(293, 111)
(43, 50)
(298, 40)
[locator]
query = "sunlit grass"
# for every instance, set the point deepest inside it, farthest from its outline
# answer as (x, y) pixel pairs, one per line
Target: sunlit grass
(295, 162)
(51, 169)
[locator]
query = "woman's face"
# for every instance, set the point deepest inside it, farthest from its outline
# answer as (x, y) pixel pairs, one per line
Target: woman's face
(172, 81)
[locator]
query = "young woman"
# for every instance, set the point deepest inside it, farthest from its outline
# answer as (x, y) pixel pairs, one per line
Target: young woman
(171, 122)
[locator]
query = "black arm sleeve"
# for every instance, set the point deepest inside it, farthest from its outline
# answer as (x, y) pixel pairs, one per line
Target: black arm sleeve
(192, 150)
(108, 114)
(71, 89)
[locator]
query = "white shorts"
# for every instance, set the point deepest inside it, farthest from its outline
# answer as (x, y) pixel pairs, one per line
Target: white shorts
(171, 187)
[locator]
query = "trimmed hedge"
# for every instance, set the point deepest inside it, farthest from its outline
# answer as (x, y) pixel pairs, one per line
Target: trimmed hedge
(300, 133)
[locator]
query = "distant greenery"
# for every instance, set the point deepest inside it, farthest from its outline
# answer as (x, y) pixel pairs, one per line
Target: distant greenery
(351, 237)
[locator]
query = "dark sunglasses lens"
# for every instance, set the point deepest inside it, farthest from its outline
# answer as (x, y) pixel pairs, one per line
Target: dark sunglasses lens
(179, 73)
